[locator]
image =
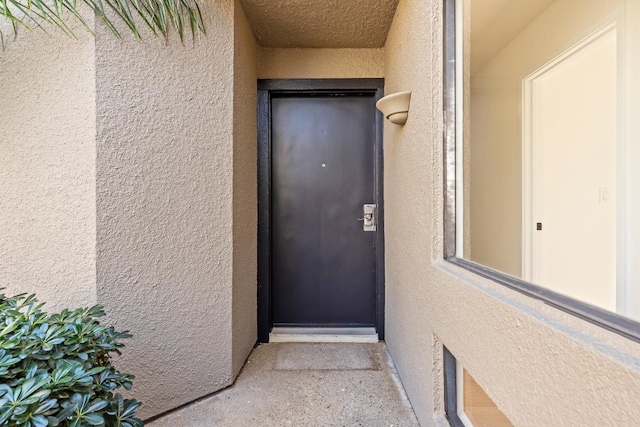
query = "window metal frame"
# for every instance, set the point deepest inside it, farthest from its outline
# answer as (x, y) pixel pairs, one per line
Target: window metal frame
(605, 319)
(451, 389)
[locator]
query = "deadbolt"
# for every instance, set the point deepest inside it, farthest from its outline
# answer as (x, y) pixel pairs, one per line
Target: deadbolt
(369, 217)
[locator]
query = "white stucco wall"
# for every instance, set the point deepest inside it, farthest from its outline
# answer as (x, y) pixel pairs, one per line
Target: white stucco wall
(320, 63)
(542, 367)
(47, 167)
(165, 203)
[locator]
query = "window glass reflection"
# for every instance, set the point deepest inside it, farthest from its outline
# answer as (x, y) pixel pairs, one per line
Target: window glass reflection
(475, 407)
(551, 132)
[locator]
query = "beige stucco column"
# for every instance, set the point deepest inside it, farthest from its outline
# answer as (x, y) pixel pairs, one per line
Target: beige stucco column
(176, 205)
(128, 179)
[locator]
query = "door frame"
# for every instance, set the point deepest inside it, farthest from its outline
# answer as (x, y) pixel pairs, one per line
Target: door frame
(267, 89)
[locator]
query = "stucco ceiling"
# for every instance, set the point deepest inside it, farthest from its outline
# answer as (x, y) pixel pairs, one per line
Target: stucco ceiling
(320, 23)
(494, 23)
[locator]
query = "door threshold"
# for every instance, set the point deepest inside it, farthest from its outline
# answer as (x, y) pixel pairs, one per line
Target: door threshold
(346, 335)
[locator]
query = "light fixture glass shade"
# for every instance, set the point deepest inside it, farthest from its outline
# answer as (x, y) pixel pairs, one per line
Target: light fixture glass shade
(395, 107)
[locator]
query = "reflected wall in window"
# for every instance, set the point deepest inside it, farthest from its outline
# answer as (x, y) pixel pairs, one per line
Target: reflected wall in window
(475, 407)
(466, 402)
(551, 129)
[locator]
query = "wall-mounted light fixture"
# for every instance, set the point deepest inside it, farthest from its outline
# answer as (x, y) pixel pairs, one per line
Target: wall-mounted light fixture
(395, 107)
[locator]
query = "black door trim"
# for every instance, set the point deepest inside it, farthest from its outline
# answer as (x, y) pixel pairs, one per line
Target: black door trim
(266, 90)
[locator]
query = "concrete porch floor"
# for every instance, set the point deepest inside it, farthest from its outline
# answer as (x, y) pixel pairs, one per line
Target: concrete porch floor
(306, 384)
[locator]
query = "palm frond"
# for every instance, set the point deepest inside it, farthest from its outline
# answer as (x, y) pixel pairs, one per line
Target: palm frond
(159, 16)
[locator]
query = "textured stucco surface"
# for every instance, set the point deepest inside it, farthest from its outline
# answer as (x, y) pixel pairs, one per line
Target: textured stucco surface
(174, 172)
(320, 24)
(47, 167)
(320, 63)
(408, 183)
(245, 187)
(541, 366)
(165, 207)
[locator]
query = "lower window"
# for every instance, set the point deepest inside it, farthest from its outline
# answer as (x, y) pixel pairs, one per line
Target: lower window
(466, 403)
(475, 408)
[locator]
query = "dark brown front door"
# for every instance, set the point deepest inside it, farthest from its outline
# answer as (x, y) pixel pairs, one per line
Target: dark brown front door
(320, 164)
(323, 263)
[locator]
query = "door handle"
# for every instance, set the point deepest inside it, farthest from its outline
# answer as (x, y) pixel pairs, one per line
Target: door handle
(369, 217)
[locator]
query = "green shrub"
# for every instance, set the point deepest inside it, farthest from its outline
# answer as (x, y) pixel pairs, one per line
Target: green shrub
(55, 370)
